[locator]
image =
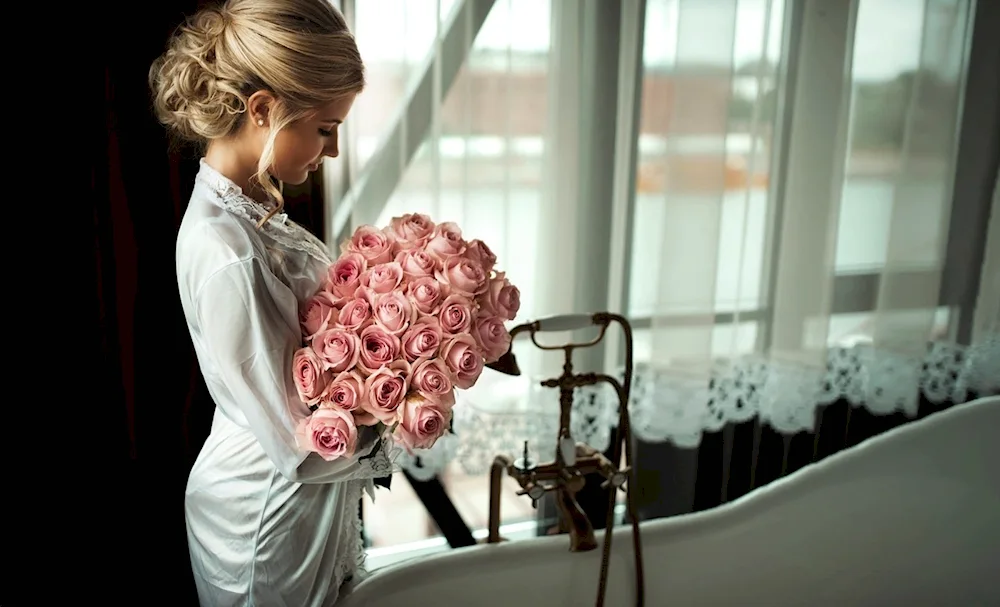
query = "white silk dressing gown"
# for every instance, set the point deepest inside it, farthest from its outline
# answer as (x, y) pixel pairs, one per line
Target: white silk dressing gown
(268, 524)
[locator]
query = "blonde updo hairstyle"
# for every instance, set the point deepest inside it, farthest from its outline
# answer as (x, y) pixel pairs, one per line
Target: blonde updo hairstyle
(299, 50)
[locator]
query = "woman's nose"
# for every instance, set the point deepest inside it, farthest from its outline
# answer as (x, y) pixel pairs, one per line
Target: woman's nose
(332, 149)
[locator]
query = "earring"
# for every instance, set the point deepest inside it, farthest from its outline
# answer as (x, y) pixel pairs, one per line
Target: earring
(260, 122)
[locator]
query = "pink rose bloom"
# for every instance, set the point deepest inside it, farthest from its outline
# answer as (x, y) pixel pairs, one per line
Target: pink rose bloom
(371, 243)
(446, 242)
(378, 348)
(463, 359)
(426, 294)
(317, 313)
(345, 392)
(431, 377)
(456, 314)
(345, 274)
(501, 298)
(422, 339)
(383, 277)
(355, 314)
(338, 348)
(416, 263)
(329, 432)
(481, 254)
(410, 231)
(393, 312)
(385, 389)
(422, 421)
(492, 337)
(327, 292)
(366, 294)
(463, 276)
(309, 375)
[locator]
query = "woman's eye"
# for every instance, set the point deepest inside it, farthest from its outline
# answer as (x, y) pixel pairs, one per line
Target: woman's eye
(325, 133)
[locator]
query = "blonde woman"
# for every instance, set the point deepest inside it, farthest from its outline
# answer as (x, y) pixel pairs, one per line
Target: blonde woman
(264, 84)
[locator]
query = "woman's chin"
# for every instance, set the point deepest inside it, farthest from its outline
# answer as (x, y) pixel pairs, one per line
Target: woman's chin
(296, 178)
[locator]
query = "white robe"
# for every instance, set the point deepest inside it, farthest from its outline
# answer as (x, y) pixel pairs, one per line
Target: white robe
(267, 523)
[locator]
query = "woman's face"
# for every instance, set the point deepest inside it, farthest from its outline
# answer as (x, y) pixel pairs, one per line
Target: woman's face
(300, 147)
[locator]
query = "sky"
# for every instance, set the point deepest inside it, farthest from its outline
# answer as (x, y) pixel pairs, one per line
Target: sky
(887, 38)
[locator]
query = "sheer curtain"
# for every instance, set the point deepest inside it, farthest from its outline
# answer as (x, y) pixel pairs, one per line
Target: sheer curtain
(790, 278)
(790, 222)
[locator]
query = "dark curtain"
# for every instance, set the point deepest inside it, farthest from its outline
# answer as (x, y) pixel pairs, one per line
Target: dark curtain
(757, 455)
(741, 458)
(155, 411)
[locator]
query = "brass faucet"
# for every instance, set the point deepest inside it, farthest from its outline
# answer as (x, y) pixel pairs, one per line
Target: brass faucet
(566, 474)
(566, 478)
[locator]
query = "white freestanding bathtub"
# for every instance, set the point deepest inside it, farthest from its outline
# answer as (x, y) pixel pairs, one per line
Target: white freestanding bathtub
(911, 517)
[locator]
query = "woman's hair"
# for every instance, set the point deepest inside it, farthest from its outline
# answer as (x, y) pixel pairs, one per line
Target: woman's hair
(299, 50)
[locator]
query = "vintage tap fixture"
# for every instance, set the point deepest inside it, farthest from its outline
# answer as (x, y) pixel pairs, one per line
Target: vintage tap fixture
(566, 475)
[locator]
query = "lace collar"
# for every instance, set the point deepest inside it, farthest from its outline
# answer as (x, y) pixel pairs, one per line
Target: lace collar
(279, 228)
(231, 196)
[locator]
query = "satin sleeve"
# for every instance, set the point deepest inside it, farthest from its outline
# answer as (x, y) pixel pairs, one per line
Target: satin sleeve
(249, 323)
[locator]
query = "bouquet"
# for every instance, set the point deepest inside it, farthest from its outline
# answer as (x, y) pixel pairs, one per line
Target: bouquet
(403, 318)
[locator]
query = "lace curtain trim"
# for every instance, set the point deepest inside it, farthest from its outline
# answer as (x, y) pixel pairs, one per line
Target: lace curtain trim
(668, 407)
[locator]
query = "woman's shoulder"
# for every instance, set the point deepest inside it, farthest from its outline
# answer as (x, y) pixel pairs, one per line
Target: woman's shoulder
(212, 239)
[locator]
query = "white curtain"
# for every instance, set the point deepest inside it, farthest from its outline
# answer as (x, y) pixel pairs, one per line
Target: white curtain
(790, 216)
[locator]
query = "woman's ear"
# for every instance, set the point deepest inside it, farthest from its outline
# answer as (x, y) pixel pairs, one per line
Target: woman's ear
(259, 108)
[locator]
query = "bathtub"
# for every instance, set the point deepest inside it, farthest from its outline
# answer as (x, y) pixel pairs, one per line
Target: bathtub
(911, 517)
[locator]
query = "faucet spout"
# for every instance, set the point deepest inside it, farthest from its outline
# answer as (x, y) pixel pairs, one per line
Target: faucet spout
(581, 531)
(501, 464)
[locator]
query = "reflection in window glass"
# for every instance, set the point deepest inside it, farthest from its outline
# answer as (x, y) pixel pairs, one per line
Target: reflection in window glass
(395, 38)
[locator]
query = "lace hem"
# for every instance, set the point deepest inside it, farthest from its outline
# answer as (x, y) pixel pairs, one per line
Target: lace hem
(383, 463)
(352, 561)
(667, 406)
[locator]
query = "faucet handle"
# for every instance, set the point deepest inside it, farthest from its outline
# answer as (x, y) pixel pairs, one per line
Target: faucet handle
(524, 464)
(567, 449)
(617, 478)
(534, 491)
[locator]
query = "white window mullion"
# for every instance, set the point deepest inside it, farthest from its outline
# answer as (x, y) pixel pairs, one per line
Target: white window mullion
(577, 209)
(804, 240)
(627, 121)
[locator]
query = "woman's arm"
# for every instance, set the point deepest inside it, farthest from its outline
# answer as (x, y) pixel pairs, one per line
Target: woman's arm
(251, 333)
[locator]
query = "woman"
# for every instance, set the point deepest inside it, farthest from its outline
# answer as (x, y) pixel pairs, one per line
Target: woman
(265, 85)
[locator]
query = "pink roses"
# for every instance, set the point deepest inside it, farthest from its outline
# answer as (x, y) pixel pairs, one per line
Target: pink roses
(423, 419)
(329, 432)
(404, 317)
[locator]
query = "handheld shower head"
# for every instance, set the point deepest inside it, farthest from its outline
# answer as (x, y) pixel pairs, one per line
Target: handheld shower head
(507, 364)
